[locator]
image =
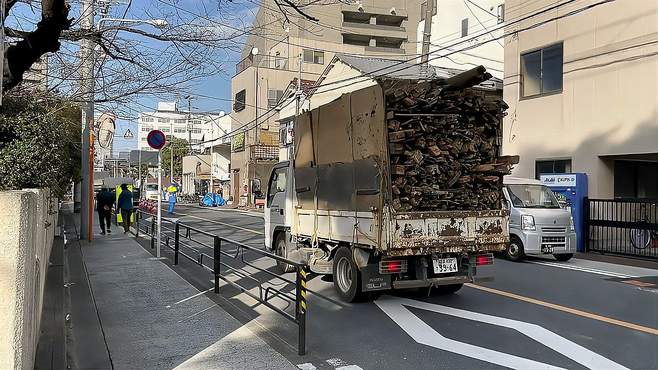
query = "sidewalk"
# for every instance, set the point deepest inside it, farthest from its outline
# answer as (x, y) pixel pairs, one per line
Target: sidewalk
(129, 310)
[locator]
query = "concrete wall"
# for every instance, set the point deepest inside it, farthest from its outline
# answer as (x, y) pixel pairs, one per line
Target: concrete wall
(608, 104)
(28, 220)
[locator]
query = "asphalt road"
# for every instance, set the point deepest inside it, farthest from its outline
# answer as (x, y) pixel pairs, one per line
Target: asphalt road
(531, 315)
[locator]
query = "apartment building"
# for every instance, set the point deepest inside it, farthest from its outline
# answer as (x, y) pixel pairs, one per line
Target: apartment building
(172, 121)
(458, 25)
(583, 93)
(283, 51)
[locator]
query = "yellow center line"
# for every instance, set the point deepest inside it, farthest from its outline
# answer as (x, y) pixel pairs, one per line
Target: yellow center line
(573, 311)
(223, 223)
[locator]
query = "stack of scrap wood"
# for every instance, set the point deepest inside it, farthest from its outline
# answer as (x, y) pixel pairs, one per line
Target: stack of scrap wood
(444, 147)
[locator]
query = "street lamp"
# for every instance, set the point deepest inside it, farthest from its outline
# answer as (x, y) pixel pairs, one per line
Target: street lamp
(212, 154)
(87, 62)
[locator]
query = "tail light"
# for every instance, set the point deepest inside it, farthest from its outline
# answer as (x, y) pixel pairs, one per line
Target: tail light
(484, 259)
(392, 266)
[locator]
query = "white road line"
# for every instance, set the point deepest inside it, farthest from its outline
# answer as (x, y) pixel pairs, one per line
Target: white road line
(584, 269)
(425, 334)
(306, 366)
(243, 212)
(349, 367)
(224, 223)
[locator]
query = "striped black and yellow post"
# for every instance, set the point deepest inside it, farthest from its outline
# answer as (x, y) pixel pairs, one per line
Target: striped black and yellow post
(302, 293)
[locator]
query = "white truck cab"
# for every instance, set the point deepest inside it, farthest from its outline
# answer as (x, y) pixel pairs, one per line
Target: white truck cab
(538, 224)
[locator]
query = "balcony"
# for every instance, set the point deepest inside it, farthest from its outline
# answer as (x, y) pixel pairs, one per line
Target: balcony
(264, 152)
(263, 61)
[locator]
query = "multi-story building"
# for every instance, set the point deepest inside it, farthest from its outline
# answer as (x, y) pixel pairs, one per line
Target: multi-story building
(172, 121)
(457, 25)
(281, 51)
(582, 86)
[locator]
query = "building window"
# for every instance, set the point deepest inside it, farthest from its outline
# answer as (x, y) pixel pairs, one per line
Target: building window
(464, 27)
(163, 120)
(273, 97)
(634, 179)
(501, 13)
(195, 141)
(147, 119)
(179, 130)
(180, 120)
(195, 130)
(313, 56)
(240, 100)
(423, 9)
(541, 71)
(552, 166)
(143, 139)
(146, 128)
(164, 129)
(196, 122)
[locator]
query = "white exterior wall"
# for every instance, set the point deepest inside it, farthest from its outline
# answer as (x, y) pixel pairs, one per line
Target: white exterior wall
(178, 120)
(609, 101)
(446, 36)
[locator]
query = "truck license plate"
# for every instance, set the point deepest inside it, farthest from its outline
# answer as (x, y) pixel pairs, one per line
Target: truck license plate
(444, 265)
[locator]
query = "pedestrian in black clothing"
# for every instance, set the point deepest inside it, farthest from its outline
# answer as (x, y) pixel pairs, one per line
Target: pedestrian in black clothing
(125, 204)
(104, 204)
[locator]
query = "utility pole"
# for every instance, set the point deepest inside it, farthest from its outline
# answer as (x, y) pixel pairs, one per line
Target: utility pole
(87, 89)
(189, 121)
(427, 33)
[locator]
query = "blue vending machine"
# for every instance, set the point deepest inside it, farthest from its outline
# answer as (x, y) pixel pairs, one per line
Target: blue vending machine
(571, 189)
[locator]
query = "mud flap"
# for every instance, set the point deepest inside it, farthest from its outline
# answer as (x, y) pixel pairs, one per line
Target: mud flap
(372, 280)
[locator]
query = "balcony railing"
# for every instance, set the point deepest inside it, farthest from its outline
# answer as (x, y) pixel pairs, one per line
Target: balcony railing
(263, 61)
(264, 152)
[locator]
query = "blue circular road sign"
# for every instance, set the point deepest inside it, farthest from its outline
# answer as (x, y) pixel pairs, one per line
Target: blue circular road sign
(156, 139)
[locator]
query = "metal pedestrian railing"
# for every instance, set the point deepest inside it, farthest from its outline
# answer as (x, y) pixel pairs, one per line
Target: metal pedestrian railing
(191, 243)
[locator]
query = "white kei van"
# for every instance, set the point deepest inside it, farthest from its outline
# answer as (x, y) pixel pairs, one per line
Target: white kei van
(538, 225)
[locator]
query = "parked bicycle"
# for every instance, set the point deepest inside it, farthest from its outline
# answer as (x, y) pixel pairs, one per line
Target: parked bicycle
(644, 238)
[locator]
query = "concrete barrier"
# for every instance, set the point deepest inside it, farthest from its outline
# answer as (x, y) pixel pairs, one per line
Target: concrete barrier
(28, 219)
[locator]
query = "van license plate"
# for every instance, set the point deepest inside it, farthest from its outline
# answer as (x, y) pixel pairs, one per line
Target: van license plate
(444, 265)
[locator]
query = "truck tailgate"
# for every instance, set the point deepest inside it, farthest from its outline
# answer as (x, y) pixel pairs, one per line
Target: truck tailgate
(416, 233)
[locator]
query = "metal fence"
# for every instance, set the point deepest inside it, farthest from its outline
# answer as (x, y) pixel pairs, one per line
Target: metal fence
(613, 224)
(193, 243)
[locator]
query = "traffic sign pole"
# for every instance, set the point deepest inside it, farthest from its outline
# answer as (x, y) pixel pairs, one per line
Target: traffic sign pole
(159, 202)
(157, 140)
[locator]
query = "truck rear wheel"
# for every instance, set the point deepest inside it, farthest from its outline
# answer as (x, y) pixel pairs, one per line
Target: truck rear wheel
(347, 280)
(514, 251)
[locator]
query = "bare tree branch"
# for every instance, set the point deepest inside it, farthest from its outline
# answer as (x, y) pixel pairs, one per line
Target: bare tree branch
(44, 39)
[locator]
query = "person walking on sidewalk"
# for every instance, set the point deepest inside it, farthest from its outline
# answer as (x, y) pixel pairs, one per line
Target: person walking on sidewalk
(104, 204)
(125, 204)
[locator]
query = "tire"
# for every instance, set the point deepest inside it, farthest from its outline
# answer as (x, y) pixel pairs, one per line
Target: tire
(446, 289)
(347, 279)
(563, 257)
(640, 239)
(281, 251)
(514, 251)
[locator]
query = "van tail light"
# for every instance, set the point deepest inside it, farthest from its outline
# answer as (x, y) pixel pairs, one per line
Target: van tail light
(392, 266)
(484, 259)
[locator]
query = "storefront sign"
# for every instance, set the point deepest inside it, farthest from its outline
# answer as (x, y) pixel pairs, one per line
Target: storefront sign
(558, 180)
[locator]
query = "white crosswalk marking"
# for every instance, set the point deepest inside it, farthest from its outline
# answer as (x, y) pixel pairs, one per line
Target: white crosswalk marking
(425, 334)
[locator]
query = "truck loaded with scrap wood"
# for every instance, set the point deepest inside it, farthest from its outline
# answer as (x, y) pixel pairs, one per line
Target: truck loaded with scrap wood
(394, 186)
